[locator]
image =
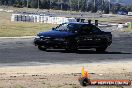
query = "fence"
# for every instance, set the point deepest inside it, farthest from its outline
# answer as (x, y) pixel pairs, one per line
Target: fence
(40, 18)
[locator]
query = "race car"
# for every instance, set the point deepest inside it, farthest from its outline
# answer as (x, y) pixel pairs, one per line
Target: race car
(72, 36)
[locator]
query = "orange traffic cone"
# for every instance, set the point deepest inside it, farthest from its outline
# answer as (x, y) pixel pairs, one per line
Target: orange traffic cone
(84, 73)
(84, 80)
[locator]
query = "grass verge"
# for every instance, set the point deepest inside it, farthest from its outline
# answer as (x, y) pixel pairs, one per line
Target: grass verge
(18, 29)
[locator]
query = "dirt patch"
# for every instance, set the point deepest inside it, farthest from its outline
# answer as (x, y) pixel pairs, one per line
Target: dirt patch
(60, 76)
(55, 80)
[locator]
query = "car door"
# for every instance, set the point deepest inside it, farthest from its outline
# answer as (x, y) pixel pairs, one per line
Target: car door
(96, 36)
(85, 37)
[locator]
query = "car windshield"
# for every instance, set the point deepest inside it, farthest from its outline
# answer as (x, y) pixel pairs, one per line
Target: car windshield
(67, 27)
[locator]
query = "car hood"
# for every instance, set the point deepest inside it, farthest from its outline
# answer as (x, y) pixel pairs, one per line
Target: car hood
(56, 34)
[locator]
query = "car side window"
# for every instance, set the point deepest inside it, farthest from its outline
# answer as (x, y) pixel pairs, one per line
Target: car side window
(95, 29)
(62, 27)
(85, 29)
(73, 27)
(88, 28)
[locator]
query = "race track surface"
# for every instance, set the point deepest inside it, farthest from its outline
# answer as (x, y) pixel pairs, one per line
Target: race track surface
(23, 52)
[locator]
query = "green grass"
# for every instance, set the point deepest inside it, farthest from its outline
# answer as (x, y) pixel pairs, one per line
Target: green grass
(16, 29)
(22, 29)
(127, 29)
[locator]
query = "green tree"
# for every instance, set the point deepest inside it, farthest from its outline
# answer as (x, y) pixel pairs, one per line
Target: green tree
(34, 4)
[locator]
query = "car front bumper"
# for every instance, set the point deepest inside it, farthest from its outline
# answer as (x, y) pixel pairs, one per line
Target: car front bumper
(49, 43)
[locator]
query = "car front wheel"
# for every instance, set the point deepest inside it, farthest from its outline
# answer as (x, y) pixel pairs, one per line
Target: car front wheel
(43, 48)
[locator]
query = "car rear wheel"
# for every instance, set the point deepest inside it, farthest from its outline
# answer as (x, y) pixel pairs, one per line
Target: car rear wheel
(43, 48)
(101, 49)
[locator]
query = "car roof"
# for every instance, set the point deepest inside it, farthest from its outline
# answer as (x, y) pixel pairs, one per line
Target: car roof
(79, 23)
(76, 23)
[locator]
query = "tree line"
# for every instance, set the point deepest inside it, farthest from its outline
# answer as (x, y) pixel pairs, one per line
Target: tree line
(74, 5)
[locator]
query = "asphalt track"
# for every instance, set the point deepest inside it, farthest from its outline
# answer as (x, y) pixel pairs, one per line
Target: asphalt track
(22, 52)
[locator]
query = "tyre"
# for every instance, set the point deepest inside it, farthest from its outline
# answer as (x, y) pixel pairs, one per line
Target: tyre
(101, 49)
(43, 48)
